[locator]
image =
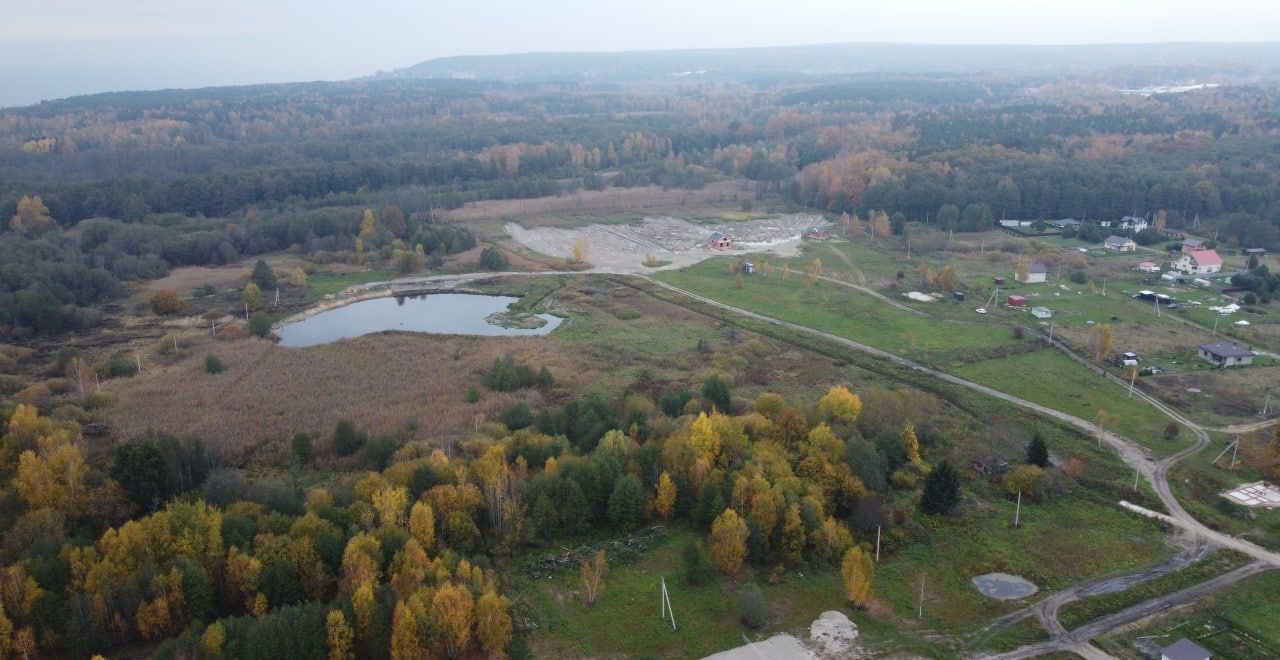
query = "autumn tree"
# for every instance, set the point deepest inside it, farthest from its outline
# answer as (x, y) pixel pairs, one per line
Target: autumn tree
(390, 504)
(664, 501)
(911, 444)
(1161, 220)
(165, 302)
(1023, 479)
(737, 282)
(947, 278)
(362, 606)
(406, 641)
(794, 535)
(394, 220)
(252, 297)
(580, 251)
(338, 636)
(32, 217)
(593, 573)
(81, 376)
(368, 228)
(422, 524)
(880, 226)
(6, 633)
(361, 561)
(452, 608)
(840, 404)
(53, 476)
(213, 640)
(856, 568)
(1101, 340)
(493, 623)
(1022, 271)
(729, 542)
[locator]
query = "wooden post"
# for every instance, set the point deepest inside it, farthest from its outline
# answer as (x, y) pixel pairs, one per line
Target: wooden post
(1017, 513)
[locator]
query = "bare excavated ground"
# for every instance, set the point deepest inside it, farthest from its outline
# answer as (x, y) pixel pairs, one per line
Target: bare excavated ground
(624, 248)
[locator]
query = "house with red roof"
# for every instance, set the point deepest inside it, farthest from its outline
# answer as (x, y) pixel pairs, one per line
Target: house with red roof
(1200, 262)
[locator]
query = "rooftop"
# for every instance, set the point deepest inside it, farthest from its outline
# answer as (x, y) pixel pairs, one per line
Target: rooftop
(1116, 240)
(1206, 258)
(1037, 267)
(1185, 649)
(1226, 349)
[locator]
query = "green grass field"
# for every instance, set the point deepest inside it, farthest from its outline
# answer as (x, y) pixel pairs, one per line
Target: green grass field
(1050, 378)
(323, 284)
(838, 310)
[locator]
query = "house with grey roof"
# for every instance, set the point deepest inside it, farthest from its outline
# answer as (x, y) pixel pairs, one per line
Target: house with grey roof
(1224, 353)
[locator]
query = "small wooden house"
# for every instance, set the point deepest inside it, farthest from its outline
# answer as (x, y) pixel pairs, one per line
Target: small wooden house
(1017, 301)
(718, 241)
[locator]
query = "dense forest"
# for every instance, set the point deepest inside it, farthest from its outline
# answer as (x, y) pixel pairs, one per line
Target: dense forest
(154, 180)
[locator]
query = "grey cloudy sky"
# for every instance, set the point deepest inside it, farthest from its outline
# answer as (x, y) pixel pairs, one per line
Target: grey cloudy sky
(51, 48)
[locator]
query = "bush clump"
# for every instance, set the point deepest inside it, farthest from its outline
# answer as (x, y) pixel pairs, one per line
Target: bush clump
(213, 364)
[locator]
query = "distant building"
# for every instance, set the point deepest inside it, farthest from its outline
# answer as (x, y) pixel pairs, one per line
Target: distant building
(1255, 252)
(1184, 649)
(1200, 262)
(1133, 223)
(1119, 244)
(718, 241)
(816, 234)
(1017, 301)
(1149, 267)
(748, 268)
(1193, 245)
(1064, 223)
(1225, 354)
(1175, 234)
(1042, 312)
(1036, 274)
(1015, 223)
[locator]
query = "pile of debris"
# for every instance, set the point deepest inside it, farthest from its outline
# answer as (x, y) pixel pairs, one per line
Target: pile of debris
(620, 548)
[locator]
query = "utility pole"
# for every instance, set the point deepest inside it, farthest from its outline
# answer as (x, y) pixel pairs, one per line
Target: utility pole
(920, 607)
(1051, 332)
(1135, 480)
(1133, 378)
(877, 544)
(1215, 325)
(1017, 513)
(1266, 405)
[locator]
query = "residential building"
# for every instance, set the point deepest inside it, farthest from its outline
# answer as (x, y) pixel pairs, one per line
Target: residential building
(1119, 244)
(1064, 223)
(718, 241)
(1225, 354)
(1190, 245)
(1200, 262)
(1036, 274)
(1133, 223)
(1149, 267)
(1017, 301)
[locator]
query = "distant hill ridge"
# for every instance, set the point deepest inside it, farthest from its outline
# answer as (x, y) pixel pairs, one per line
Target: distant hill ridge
(1245, 59)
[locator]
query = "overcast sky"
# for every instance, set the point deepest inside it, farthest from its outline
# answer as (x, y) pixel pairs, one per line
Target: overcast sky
(53, 48)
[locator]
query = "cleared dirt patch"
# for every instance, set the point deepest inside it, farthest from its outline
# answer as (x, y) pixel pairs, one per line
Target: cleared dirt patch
(623, 248)
(612, 200)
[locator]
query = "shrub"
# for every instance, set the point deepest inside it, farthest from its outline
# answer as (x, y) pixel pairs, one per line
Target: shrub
(473, 394)
(697, 565)
(213, 364)
(347, 440)
(508, 375)
(492, 258)
(302, 449)
(379, 452)
(121, 365)
(716, 392)
(517, 417)
(166, 302)
(263, 276)
(627, 502)
(259, 325)
(752, 610)
(204, 290)
(672, 402)
(1078, 276)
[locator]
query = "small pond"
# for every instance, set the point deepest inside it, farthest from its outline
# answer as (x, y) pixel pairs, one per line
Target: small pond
(1003, 586)
(439, 313)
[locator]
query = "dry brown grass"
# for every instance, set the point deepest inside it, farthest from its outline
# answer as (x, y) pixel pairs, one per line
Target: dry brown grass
(383, 383)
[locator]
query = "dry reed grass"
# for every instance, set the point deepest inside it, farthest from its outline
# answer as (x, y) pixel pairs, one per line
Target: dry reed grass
(383, 383)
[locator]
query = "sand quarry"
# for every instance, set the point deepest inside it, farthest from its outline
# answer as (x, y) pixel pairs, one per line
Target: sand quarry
(622, 248)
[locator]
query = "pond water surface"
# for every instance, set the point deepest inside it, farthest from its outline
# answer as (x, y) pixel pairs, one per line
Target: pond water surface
(1003, 586)
(439, 313)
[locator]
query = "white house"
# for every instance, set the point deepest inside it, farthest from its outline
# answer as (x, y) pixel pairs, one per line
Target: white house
(1133, 223)
(1225, 354)
(1149, 267)
(1119, 244)
(1036, 274)
(1200, 262)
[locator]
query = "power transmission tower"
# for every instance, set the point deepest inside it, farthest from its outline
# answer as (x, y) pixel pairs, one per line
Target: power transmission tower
(667, 612)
